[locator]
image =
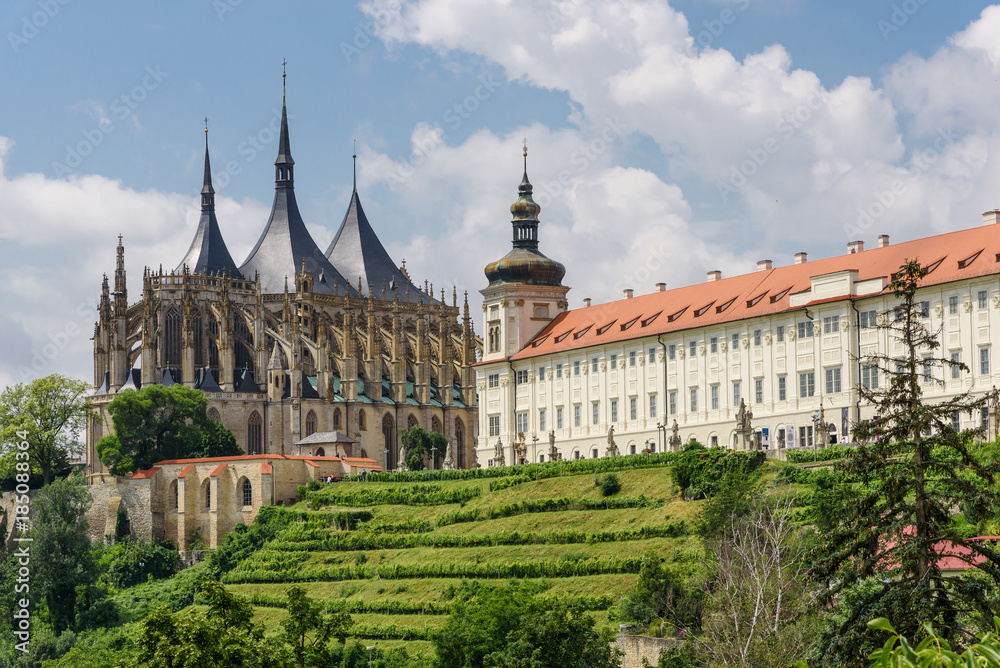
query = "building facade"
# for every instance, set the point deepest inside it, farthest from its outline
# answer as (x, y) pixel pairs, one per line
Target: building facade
(294, 340)
(762, 360)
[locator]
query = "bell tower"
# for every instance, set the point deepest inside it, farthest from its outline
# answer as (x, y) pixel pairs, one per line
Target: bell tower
(525, 291)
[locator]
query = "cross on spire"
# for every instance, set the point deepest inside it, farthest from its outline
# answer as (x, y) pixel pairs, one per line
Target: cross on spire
(206, 124)
(525, 154)
(355, 156)
(283, 75)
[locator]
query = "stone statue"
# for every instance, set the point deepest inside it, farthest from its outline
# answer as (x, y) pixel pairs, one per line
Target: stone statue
(520, 449)
(612, 449)
(553, 452)
(744, 426)
(675, 438)
(781, 438)
(498, 459)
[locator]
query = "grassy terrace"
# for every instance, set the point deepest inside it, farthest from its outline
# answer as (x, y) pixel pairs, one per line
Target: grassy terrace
(398, 568)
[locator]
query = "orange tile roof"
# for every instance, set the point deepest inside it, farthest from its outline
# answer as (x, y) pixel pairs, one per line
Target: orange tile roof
(143, 475)
(185, 471)
(953, 256)
(266, 468)
(242, 458)
(218, 469)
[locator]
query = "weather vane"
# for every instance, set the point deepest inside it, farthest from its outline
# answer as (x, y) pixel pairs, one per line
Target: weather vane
(526, 146)
(206, 124)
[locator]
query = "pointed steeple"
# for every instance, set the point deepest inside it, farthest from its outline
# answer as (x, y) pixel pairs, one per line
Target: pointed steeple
(357, 251)
(208, 253)
(285, 239)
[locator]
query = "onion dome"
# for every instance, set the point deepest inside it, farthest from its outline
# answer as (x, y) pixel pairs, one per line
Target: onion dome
(524, 264)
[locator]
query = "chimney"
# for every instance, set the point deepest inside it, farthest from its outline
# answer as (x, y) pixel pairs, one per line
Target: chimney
(586, 302)
(763, 265)
(628, 293)
(883, 240)
(714, 275)
(661, 287)
(991, 217)
(801, 258)
(855, 246)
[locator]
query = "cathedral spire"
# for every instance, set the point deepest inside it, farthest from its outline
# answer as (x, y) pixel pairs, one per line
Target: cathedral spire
(207, 191)
(284, 165)
(355, 156)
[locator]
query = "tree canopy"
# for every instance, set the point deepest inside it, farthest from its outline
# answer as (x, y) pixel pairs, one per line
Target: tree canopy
(157, 423)
(884, 547)
(49, 413)
(419, 444)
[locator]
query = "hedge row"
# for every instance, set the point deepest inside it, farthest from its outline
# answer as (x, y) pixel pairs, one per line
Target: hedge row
(377, 495)
(535, 471)
(397, 607)
(389, 632)
(547, 506)
(534, 569)
(827, 454)
(364, 541)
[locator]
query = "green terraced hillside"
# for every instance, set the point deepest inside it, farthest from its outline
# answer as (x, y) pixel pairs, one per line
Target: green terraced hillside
(393, 552)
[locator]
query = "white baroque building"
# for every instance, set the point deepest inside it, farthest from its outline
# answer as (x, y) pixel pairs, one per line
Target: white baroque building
(675, 365)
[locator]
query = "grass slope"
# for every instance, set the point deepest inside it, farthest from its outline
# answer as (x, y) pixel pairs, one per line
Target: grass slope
(401, 595)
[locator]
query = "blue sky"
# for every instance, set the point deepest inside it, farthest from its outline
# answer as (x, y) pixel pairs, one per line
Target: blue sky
(666, 139)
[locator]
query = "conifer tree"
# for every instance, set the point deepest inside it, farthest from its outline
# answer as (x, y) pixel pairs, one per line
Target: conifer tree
(913, 474)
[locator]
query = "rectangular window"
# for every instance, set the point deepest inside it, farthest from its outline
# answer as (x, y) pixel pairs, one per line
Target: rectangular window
(953, 305)
(756, 338)
(559, 417)
(736, 342)
(672, 398)
(984, 361)
(868, 319)
(692, 348)
(833, 380)
(715, 397)
(806, 329)
(956, 422)
(522, 422)
(559, 370)
(737, 393)
(897, 313)
(985, 414)
(595, 412)
(758, 390)
(652, 405)
(671, 351)
(782, 391)
(956, 371)
(652, 355)
(493, 380)
(927, 370)
(522, 377)
(831, 324)
(594, 363)
(494, 425)
(576, 368)
(806, 435)
(694, 399)
(983, 295)
(869, 377)
(633, 408)
(807, 384)
(576, 415)
(924, 309)
(614, 361)
(713, 344)
(779, 333)
(614, 410)
(541, 420)
(541, 373)
(631, 358)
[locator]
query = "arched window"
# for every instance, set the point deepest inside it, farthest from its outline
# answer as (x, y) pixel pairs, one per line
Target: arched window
(389, 440)
(411, 421)
(213, 415)
(459, 455)
(255, 434)
(311, 423)
(243, 345)
(172, 333)
(199, 337)
(336, 419)
(208, 494)
(361, 420)
(247, 493)
(436, 425)
(174, 498)
(320, 452)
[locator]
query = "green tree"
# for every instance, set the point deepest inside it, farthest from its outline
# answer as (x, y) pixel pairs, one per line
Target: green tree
(909, 479)
(49, 413)
(659, 594)
(561, 636)
(934, 651)
(308, 629)
(222, 636)
(63, 560)
(158, 423)
(419, 445)
(481, 620)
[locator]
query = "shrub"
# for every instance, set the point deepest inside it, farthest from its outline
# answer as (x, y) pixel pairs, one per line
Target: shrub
(610, 485)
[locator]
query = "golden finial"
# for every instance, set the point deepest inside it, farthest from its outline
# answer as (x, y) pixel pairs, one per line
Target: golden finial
(206, 124)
